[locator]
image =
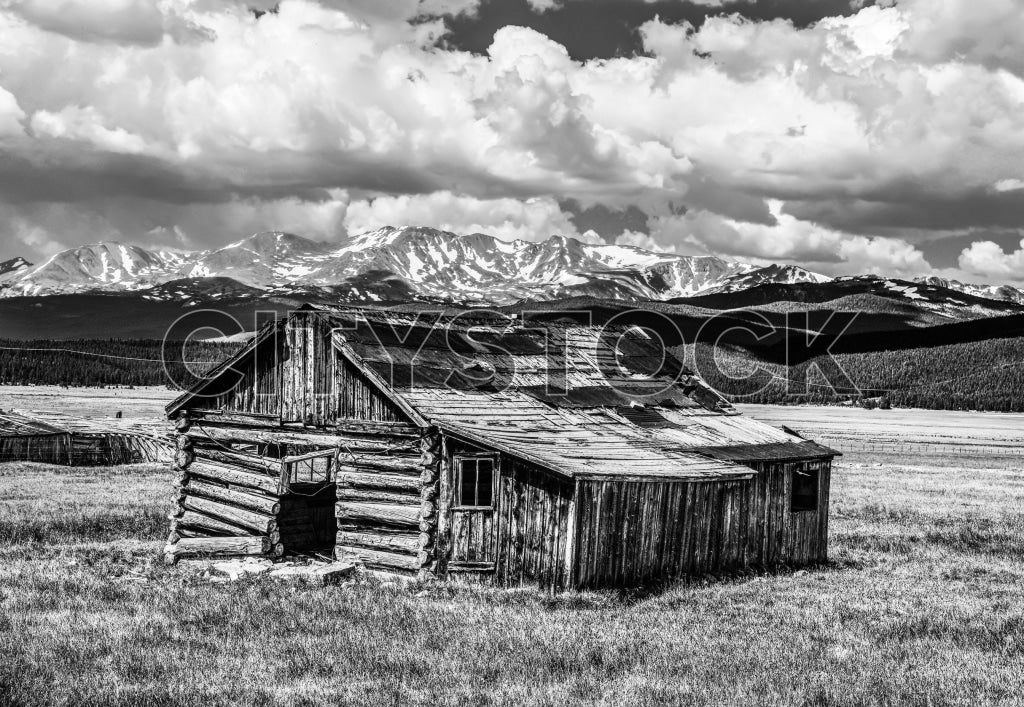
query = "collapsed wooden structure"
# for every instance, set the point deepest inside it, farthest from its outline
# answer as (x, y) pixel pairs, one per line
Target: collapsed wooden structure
(53, 438)
(566, 457)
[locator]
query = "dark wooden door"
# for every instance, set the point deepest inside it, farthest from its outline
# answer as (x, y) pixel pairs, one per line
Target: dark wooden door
(474, 505)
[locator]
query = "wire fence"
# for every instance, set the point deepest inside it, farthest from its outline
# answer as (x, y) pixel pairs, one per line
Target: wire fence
(911, 448)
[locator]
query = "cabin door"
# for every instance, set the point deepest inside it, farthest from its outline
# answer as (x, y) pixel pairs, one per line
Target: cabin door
(474, 530)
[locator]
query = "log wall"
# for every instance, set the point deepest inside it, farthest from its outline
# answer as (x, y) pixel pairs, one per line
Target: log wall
(379, 506)
(635, 532)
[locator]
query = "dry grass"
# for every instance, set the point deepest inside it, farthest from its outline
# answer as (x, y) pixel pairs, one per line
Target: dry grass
(920, 605)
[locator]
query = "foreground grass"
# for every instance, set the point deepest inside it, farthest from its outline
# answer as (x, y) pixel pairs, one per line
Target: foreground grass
(921, 604)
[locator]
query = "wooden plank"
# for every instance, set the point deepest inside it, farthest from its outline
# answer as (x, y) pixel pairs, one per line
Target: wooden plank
(376, 463)
(237, 477)
(287, 436)
(402, 543)
(378, 558)
(349, 494)
(264, 504)
(192, 519)
(383, 481)
(383, 513)
(241, 545)
(252, 520)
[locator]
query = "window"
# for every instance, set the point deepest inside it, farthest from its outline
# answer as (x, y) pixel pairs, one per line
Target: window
(474, 485)
(805, 489)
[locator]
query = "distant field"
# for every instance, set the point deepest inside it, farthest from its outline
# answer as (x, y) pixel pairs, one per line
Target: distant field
(919, 605)
(928, 433)
(143, 402)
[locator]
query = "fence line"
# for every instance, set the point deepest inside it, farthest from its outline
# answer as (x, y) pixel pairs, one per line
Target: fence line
(896, 446)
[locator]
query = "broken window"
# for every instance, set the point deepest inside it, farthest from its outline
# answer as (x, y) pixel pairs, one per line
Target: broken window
(474, 485)
(805, 489)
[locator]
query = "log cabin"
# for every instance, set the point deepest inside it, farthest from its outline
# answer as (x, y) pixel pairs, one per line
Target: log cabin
(479, 446)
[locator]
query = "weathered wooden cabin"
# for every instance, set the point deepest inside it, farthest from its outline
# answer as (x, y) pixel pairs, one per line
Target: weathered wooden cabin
(566, 457)
(51, 438)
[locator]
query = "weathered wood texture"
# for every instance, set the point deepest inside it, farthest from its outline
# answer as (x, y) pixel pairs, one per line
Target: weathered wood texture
(532, 518)
(298, 376)
(378, 510)
(224, 499)
(631, 533)
(83, 449)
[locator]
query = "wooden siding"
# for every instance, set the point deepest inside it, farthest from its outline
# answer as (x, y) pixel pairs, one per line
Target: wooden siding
(299, 376)
(254, 387)
(533, 518)
(636, 532)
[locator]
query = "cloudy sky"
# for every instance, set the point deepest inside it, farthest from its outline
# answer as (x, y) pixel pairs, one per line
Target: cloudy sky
(844, 136)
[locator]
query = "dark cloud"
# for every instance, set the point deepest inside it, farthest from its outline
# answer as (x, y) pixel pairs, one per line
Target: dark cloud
(909, 208)
(602, 29)
(605, 222)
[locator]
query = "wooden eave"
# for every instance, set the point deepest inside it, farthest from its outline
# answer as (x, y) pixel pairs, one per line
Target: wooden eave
(173, 407)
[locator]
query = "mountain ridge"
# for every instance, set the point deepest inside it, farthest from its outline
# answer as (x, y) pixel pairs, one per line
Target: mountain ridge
(427, 263)
(424, 264)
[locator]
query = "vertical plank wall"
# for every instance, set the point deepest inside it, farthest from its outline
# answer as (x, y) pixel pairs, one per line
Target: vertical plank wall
(532, 518)
(300, 377)
(635, 532)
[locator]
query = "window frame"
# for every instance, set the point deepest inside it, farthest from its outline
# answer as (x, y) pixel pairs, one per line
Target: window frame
(794, 506)
(458, 461)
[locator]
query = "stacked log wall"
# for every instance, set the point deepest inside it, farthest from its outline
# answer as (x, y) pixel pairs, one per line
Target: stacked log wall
(380, 502)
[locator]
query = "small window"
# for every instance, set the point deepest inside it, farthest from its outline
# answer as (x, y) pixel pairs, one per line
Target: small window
(805, 489)
(474, 485)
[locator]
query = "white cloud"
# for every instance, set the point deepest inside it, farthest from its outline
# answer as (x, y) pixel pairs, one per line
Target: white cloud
(509, 219)
(1012, 184)
(11, 115)
(989, 260)
(789, 239)
(899, 117)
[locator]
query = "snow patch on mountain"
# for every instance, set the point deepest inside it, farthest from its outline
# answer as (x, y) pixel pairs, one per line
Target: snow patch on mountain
(1005, 293)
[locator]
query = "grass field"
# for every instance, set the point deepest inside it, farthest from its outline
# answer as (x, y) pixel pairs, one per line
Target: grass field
(921, 604)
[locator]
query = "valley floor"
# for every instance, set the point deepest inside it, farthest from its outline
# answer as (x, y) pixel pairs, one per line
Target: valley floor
(920, 604)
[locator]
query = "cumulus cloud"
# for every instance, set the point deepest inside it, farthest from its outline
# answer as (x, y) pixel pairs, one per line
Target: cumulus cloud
(508, 219)
(989, 260)
(11, 115)
(143, 22)
(743, 138)
(787, 239)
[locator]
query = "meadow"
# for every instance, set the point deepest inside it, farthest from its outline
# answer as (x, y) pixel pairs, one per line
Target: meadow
(920, 604)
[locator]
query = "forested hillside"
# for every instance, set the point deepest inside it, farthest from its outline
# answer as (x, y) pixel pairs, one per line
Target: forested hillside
(981, 375)
(87, 362)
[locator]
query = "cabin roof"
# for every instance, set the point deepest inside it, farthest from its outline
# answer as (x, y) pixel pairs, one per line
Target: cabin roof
(578, 400)
(17, 424)
(30, 423)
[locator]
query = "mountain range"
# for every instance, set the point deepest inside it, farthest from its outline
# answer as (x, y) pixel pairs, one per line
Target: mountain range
(409, 264)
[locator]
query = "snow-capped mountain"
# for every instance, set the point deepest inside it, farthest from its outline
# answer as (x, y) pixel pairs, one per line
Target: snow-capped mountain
(9, 269)
(770, 274)
(389, 263)
(997, 292)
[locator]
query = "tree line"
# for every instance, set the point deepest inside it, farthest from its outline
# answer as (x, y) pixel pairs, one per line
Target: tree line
(110, 362)
(982, 375)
